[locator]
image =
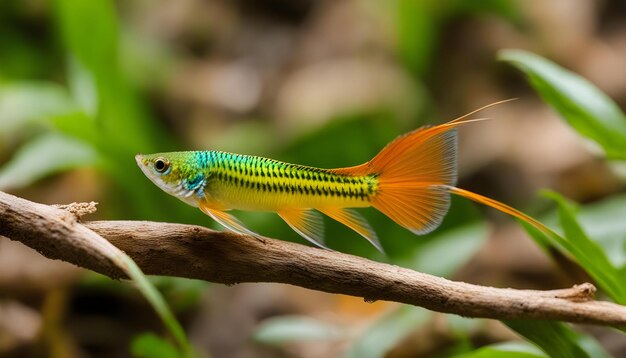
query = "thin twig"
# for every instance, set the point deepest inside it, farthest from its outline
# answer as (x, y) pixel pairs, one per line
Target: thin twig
(223, 257)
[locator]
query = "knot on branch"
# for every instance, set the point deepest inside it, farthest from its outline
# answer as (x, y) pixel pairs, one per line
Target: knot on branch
(79, 209)
(578, 293)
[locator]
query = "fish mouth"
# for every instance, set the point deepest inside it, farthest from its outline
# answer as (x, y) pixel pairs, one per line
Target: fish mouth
(139, 159)
(143, 165)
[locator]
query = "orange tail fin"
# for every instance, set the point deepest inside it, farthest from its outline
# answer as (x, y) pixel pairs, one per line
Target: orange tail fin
(412, 172)
(415, 173)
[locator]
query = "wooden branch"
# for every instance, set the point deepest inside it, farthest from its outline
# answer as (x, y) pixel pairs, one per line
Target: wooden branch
(197, 252)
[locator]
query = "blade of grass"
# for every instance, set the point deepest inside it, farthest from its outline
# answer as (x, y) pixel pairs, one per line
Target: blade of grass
(156, 300)
(153, 296)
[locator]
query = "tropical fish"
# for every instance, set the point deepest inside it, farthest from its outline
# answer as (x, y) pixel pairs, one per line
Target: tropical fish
(410, 181)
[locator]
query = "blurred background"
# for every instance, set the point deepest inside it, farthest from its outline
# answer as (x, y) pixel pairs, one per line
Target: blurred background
(85, 85)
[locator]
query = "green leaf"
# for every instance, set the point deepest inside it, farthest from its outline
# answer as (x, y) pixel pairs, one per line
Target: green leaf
(505, 350)
(558, 340)
(25, 102)
(285, 329)
(149, 345)
(604, 222)
(592, 113)
(388, 332)
(46, 103)
(587, 252)
(48, 154)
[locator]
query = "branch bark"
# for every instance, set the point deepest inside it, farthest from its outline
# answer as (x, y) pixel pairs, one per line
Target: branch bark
(224, 257)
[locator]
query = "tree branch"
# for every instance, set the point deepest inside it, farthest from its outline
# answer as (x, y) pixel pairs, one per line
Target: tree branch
(223, 257)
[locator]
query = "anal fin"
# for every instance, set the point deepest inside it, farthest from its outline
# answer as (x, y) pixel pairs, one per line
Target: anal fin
(227, 220)
(356, 222)
(306, 222)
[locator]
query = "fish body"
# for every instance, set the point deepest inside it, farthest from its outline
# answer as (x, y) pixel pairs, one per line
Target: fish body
(410, 181)
(245, 182)
(260, 184)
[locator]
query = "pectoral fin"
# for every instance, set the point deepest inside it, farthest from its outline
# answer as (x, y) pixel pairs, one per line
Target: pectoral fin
(356, 222)
(227, 220)
(307, 223)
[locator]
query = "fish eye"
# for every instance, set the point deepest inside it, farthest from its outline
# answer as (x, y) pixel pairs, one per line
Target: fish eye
(161, 164)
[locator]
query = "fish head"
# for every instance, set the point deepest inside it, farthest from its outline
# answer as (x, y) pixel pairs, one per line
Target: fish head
(175, 173)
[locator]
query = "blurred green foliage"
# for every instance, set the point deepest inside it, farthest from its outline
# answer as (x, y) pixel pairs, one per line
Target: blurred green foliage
(91, 113)
(387, 332)
(419, 25)
(285, 329)
(99, 121)
(98, 109)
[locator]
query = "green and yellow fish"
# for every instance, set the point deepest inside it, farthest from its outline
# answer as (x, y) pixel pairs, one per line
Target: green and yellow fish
(409, 181)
